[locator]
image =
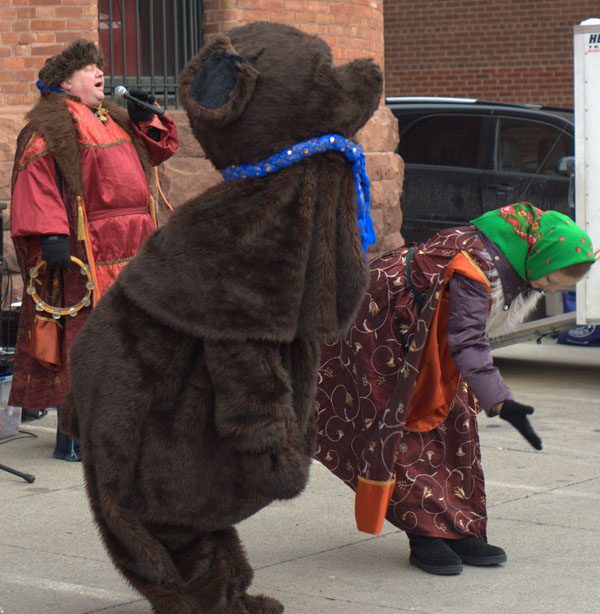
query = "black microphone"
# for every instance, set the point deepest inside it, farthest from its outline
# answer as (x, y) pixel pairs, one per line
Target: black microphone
(121, 92)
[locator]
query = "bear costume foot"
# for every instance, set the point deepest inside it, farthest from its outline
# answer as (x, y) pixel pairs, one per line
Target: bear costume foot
(247, 604)
(259, 604)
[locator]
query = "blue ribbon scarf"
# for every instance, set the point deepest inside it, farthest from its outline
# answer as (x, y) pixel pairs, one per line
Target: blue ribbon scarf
(330, 142)
(44, 89)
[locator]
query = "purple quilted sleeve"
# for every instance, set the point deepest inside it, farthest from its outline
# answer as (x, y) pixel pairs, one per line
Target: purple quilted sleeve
(468, 343)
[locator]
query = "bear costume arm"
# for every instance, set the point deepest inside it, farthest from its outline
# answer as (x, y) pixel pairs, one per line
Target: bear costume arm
(252, 392)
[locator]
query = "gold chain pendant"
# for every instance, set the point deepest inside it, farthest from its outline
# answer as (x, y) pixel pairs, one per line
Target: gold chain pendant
(102, 113)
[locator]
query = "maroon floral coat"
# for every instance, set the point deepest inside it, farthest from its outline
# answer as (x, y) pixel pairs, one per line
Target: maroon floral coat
(367, 381)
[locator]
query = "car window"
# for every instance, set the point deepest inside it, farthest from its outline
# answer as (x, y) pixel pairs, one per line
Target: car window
(530, 147)
(444, 140)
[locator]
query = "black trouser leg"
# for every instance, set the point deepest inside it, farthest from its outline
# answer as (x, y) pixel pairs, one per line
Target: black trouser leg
(66, 448)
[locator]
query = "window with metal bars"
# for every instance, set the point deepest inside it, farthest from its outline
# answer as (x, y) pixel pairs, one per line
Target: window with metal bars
(146, 43)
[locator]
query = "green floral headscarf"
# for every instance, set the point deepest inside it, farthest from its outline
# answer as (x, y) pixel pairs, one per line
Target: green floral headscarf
(535, 242)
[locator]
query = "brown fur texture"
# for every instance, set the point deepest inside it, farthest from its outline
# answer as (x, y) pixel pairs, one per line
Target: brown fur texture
(77, 55)
(193, 381)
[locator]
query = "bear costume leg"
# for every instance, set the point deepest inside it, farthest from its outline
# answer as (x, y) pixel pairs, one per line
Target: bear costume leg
(215, 575)
(179, 569)
(213, 569)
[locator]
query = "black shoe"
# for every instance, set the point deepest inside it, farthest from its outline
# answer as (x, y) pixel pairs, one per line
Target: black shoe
(66, 448)
(32, 414)
(474, 551)
(433, 555)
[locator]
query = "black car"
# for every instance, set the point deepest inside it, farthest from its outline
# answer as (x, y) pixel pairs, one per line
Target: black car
(464, 157)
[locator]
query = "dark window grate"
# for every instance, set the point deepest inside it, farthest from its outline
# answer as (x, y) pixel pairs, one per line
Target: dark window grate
(146, 44)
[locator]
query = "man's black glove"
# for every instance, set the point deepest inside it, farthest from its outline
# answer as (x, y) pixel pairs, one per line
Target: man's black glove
(55, 251)
(138, 114)
(516, 414)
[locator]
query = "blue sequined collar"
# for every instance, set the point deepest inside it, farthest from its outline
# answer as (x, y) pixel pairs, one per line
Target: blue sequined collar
(330, 142)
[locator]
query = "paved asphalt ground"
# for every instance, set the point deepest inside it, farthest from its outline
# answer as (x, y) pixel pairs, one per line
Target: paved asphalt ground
(543, 508)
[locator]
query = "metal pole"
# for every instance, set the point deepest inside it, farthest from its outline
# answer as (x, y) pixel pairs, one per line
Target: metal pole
(200, 24)
(151, 5)
(175, 53)
(26, 476)
(110, 45)
(184, 27)
(164, 49)
(124, 42)
(138, 62)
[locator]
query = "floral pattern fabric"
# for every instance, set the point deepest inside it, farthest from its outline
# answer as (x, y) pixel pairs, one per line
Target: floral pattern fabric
(365, 386)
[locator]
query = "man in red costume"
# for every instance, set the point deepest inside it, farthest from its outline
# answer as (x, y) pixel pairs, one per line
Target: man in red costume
(80, 188)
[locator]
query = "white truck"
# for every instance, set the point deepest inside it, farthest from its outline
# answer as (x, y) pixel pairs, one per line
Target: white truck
(586, 54)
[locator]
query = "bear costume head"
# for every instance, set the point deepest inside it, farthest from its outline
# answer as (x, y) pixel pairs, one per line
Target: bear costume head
(275, 256)
(265, 86)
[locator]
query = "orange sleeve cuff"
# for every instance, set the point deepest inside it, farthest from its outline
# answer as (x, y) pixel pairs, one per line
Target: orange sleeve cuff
(371, 503)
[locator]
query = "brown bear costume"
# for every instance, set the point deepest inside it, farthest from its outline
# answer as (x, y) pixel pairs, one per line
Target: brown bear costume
(193, 381)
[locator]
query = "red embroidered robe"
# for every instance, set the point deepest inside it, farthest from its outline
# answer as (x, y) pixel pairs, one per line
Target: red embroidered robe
(77, 176)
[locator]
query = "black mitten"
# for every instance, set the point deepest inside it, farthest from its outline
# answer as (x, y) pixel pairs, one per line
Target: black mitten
(138, 114)
(55, 251)
(516, 414)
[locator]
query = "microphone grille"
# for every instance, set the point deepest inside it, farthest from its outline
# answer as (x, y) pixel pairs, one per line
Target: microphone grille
(120, 91)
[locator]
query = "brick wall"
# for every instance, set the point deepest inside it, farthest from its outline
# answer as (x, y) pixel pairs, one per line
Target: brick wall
(506, 50)
(31, 31)
(352, 28)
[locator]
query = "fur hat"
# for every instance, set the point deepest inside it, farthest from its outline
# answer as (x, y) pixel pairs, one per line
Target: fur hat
(77, 55)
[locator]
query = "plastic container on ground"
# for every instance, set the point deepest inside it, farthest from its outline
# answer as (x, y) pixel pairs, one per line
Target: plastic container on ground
(10, 417)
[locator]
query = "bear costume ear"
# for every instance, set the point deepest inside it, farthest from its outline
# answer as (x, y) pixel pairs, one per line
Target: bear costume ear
(217, 84)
